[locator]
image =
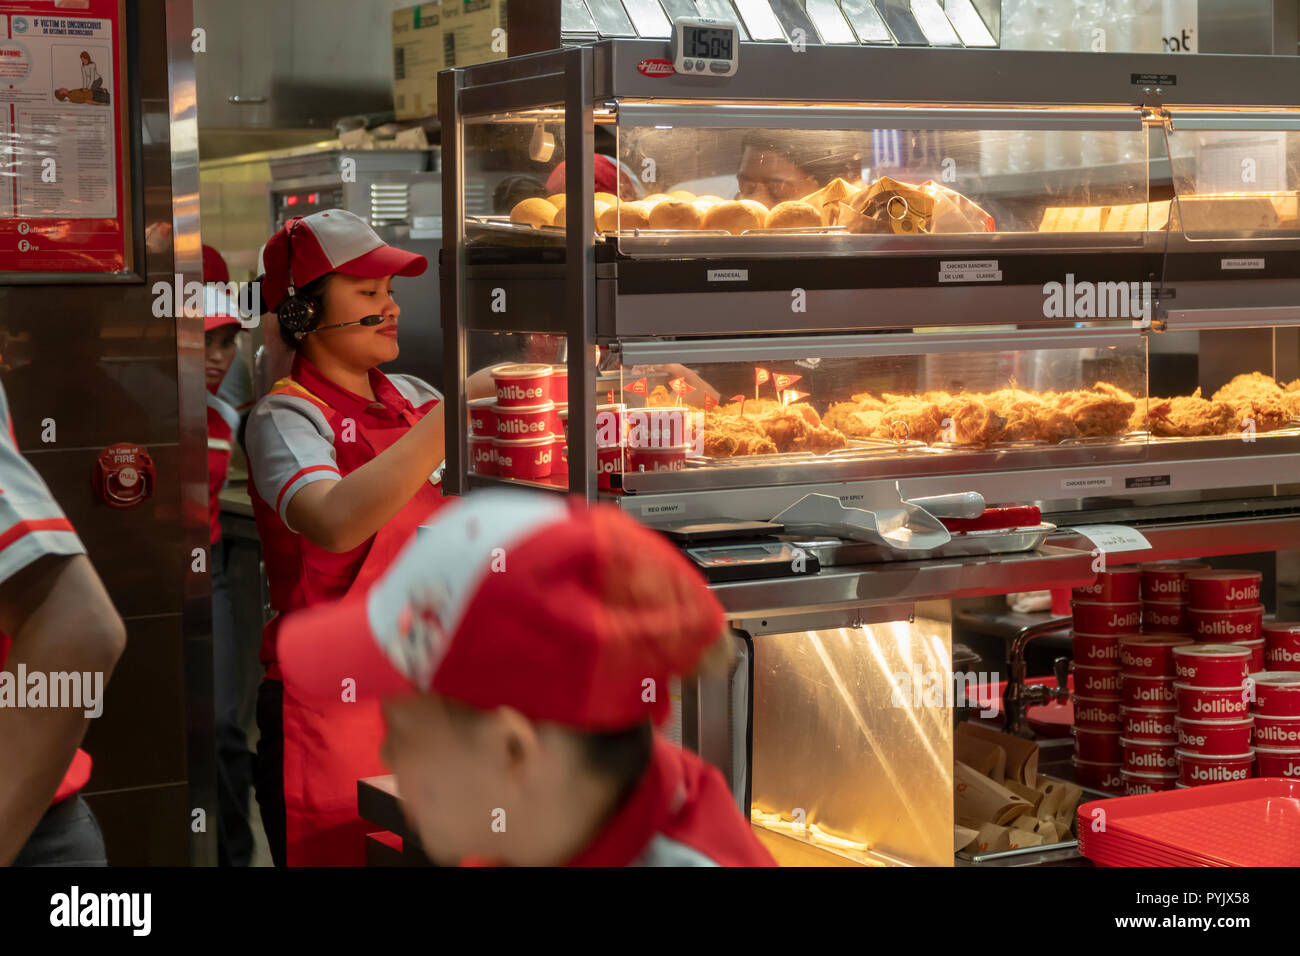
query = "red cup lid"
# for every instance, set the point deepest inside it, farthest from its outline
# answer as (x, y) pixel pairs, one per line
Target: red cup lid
(1148, 743)
(1130, 604)
(1231, 610)
(1277, 678)
(1279, 751)
(1215, 723)
(559, 370)
(537, 409)
(520, 371)
(1156, 640)
(522, 442)
(1224, 574)
(1281, 627)
(1229, 651)
(1147, 710)
(1153, 776)
(1183, 685)
(1184, 752)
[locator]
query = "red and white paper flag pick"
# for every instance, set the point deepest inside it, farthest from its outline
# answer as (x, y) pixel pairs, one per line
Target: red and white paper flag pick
(741, 400)
(710, 403)
(761, 377)
(681, 386)
(783, 382)
(793, 395)
(636, 388)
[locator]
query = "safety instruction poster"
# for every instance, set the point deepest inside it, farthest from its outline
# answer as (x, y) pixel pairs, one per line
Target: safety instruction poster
(61, 194)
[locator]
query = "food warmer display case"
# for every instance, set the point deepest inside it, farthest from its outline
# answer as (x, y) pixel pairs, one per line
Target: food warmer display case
(808, 314)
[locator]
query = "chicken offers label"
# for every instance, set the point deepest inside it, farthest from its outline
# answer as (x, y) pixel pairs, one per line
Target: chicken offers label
(124, 475)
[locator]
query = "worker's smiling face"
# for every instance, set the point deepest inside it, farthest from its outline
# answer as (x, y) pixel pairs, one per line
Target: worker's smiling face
(350, 299)
(771, 178)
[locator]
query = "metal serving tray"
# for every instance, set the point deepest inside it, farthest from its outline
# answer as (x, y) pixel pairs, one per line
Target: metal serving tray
(833, 552)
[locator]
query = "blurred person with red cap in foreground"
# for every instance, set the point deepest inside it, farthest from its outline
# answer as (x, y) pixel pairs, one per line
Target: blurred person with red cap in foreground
(344, 463)
(523, 646)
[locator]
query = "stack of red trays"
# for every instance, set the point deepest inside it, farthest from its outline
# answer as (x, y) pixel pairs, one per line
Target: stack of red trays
(1104, 613)
(1276, 709)
(1164, 597)
(1224, 608)
(1244, 823)
(1214, 721)
(1148, 733)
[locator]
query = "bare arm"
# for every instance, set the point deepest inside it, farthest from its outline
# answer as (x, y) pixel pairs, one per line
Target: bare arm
(60, 619)
(340, 515)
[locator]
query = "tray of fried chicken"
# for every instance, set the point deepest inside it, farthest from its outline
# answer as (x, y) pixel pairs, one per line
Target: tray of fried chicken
(1253, 401)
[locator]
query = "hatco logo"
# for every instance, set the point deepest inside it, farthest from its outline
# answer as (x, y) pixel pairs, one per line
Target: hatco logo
(655, 67)
(1096, 300)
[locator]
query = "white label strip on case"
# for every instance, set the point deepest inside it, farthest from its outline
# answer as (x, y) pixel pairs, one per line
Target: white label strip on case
(1241, 263)
(1113, 537)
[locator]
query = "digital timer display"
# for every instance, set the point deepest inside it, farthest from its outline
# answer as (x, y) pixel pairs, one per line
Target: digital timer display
(705, 42)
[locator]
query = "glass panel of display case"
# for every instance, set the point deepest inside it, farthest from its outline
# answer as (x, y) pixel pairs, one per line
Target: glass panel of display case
(1234, 183)
(790, 191)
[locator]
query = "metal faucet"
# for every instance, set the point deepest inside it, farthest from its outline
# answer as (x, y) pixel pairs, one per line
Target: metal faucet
(1018, 696)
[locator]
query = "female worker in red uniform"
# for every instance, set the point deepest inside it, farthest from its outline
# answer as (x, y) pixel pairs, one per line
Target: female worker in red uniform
(344, 463)
(524, 648)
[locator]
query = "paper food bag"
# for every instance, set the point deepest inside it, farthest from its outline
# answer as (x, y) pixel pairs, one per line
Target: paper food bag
(977, 798)
(1022, 754)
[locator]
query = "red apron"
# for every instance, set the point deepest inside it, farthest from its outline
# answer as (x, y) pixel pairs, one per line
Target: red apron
(328, 747)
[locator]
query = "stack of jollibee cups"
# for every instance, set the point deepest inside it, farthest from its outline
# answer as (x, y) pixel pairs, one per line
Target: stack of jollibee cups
(1223, 606)
(1146, 686)
(1281, 645)
(1214, 721)
(1104, 612)
(1164, 597)
(1277, 723)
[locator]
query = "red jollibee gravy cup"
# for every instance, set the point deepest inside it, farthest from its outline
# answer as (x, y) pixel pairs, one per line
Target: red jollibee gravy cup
(663, 427)
(1149, 756)
(560, 422)
(1148, 723)
(1097, 681)
(1098, 776)
(1277, 693)
(1282, 645)
(560, 460)
(1212, 665)
(1097, 746)
(1165, 617)
(1281, 732)
(1166, 581)
(525, 421)
(522, 384)
(1216, 737)
(609, 461)
(482, 419)
(1223, 590)
(1118, 586)
(525, 458)
(1150, 654)
(1199, 769)
(559, 383)
(1256, 647)
(1239, 623)
(1275, 762)
(1139, 690)
(611, 425)
(656, 459)
(1112, 619)
(1138, 783)
(1096, 713)
(482, 455)
(1095, 650)
(1211, 703)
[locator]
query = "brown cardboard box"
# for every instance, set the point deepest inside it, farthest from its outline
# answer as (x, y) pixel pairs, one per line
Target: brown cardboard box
(437, 36)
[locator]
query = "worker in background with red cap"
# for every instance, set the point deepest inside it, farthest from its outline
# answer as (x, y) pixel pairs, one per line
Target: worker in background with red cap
(523, 645)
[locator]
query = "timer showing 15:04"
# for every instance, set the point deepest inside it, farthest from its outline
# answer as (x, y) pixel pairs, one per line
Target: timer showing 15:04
(704, 47)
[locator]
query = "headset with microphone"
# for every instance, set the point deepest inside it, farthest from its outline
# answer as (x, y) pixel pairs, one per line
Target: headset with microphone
(300, 314)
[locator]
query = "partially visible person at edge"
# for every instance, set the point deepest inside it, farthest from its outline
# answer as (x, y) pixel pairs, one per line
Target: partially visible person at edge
(523, 650)
(221, 325)
(345, 462)
(55, 617)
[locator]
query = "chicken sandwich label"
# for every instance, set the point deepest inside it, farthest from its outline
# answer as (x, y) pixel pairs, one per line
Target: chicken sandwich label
(1097, 300)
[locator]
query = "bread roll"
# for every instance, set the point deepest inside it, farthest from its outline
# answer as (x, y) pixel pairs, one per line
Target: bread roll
(702, 206)
(625, 216)
(674, 214)
(607, 198)
(683, 194)
(534, 212)
(561, 217)
(558, 200)
(793, 214)
(711, 199)
(736, 217)
(656, 197)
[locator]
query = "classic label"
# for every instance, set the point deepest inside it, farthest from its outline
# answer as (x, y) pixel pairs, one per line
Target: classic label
(977, 271)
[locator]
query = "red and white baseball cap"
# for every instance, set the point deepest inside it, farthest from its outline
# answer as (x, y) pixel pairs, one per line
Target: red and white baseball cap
(334, 240)
(567, 613)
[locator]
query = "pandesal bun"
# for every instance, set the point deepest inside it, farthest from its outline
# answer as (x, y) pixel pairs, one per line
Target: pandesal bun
(683, 194)
(702, 206)
(657, 197)
(710, 199)
(625, 216)
(793, 214)
(558, 200)
(607, 198)
(561, 217)
(736, 217)
(534, 212)
(674, 214)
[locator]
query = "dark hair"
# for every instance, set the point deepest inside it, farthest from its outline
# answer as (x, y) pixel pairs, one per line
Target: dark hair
(515, 189)
(824, 156)
(620, 755)
(315, 289)
(86, 55)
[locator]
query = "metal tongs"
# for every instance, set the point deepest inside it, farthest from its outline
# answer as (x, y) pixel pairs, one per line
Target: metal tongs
(885, 519)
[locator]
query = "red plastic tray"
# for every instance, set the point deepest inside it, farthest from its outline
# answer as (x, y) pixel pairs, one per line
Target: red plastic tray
(1243, 823)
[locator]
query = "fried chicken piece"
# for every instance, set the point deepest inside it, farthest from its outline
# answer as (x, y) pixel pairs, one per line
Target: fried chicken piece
(968, 420)
(911, 419)
(1100, 411)
(1189, 416)
(861, 424)
(808, 412)
(838, 414)
(784, 427)
(719, 445)
(867, 402)
(750, 445)
(660, 396)
(820, 439)
(1258, 398)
